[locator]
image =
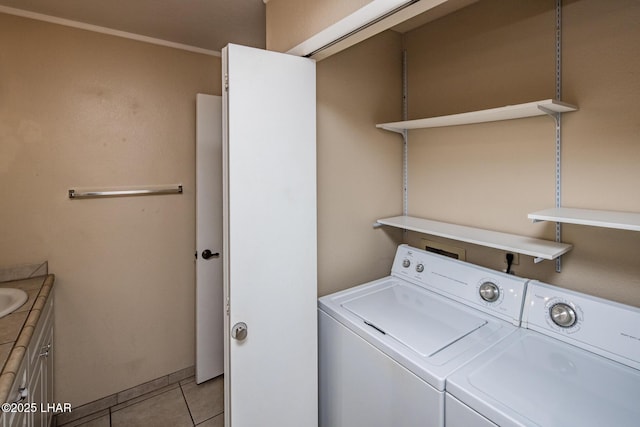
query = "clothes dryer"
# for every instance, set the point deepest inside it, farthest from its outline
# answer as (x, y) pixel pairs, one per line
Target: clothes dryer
(574, 362)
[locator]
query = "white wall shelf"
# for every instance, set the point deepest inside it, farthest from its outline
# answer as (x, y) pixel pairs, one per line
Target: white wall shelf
(537, 248)
(595, 218)
(529, 109)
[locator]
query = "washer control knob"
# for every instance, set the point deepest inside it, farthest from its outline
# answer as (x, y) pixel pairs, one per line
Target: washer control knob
(406, 263)
(563, 315)
(419, 268)
(489, 292)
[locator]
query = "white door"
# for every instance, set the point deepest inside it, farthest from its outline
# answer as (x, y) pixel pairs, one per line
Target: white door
(209, 299)
(270, 272)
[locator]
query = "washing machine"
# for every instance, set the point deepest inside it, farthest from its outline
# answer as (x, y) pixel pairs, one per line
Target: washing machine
(574, 362)
(386, 347)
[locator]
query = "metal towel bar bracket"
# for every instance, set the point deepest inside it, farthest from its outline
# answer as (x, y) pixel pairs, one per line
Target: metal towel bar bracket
(73, 194)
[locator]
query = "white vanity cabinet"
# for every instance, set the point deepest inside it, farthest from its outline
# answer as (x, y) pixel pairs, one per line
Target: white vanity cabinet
(32, 390)
(19, 389)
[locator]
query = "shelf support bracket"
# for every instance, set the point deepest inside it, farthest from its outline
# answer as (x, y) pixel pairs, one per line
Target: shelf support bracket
(538, 260)
(391, 129)
(555, 115)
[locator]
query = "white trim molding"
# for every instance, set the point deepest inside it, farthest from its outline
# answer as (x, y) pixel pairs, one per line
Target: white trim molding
(105, 30)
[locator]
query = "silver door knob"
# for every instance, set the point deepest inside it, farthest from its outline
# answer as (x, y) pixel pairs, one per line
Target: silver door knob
(239, 331)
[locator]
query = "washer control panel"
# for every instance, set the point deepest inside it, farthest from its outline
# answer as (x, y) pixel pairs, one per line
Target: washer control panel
(488, 290)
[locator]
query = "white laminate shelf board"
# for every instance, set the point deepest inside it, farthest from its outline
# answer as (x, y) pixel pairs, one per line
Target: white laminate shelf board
(537, 248)
(591, 217)
(509, 112)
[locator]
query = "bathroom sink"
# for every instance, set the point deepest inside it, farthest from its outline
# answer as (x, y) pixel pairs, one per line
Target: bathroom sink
(11, 299)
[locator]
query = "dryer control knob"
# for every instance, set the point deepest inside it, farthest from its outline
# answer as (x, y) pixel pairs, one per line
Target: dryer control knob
(563, 315)
(406, 263)
(419, 268)
(489, 291)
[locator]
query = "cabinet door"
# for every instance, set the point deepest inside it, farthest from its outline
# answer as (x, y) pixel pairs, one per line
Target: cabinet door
(17, 419)
(14, 419)
(40, 356)
(34, 380)
(35, 394)
(46, 364)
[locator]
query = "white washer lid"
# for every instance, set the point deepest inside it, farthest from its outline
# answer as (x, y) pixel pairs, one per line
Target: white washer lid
(418, 321)
(530, 379)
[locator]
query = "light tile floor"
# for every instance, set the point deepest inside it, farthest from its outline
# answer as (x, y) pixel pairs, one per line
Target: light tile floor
(183, 404)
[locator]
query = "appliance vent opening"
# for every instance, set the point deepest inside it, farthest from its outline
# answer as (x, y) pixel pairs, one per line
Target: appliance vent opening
(444, 249)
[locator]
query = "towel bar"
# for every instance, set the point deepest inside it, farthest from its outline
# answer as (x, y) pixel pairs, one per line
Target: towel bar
(73, 194)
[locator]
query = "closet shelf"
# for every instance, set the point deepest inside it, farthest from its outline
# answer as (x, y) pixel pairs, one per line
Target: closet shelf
(539, 249)
(595, 218)
(529, 109)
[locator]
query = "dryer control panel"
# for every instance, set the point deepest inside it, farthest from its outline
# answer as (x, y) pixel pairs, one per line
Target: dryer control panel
(490, 291)
(601, 326)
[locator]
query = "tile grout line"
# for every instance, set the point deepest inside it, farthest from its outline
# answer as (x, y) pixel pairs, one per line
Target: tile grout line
(141, 398)
(186, 402)
(173, 378)
(109, 411)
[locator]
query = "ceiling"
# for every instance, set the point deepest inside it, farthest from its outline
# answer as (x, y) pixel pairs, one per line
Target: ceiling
(207, 24)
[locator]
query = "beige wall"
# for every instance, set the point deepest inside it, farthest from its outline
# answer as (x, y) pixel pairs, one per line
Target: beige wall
(359, 167)
(81, 109)
(496, 53)
(491, 54)
(290, 22)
